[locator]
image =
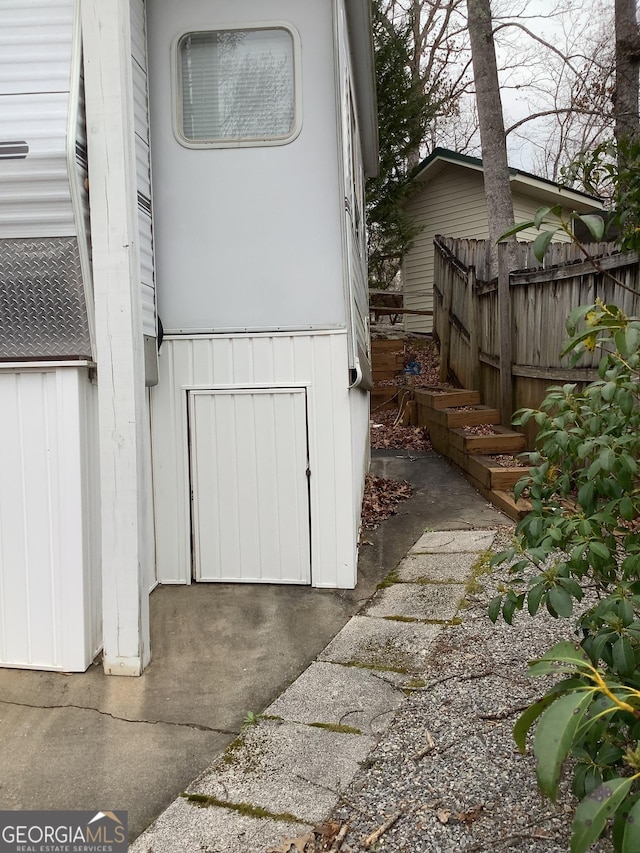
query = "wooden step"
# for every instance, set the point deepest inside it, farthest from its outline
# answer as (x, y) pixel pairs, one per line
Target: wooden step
(487, 473)
(453, 418)
(447, 399)
(505, 501)
(502, 499)
(439, 412)
(501, 477)
(439, 436)
(503, 441)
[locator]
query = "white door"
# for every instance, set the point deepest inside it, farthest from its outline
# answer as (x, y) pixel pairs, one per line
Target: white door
(250, 485)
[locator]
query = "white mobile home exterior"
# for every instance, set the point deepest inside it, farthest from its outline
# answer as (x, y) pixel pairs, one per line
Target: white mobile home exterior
(244, 457)
(49, 538)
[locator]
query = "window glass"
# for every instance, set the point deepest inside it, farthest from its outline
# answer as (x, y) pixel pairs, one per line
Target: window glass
(237, 85)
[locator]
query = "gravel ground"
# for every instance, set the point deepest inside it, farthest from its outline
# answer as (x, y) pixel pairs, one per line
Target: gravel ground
(448, 766)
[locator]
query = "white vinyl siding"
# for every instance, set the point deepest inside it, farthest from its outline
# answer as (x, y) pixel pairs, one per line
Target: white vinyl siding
(35, 46)
(35, 197)
(452, 204)
(143, 165)
(353, 181)
(36, 59)
(524, 209)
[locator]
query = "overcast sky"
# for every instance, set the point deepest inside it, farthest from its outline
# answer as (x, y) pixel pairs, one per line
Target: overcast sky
(569, 29)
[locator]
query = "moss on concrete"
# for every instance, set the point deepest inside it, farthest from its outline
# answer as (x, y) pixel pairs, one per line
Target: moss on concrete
(375, 666)
(204, 801)
(401, 619)
(336, 727)
(391, 579)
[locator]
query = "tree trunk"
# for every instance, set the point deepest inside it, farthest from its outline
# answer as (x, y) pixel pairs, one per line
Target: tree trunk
(627, 59)
(413, 154)
(494, 148)
(497, 186)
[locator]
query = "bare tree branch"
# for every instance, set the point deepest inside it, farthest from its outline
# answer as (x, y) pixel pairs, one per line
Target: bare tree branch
(554, 112)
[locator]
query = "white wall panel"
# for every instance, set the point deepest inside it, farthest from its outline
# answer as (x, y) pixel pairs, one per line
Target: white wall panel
(35, 198)
(319, 362)
(248, 238)
(49, 571)
(35, 45)
(138, 32)
(36, 63)
(355, 247)
(143, 164)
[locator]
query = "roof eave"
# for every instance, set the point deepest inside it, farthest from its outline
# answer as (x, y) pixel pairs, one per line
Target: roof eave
(563, 195)
(529, 184)
(364, 72)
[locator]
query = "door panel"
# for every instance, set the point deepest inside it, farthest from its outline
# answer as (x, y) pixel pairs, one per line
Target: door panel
(250, 490)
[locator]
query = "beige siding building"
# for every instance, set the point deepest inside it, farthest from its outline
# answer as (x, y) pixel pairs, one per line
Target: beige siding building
(449, 199)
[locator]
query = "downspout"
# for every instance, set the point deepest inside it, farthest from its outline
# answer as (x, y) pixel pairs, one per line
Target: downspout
(361, 377)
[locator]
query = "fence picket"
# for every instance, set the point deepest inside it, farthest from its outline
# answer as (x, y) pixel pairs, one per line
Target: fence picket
(468, 318)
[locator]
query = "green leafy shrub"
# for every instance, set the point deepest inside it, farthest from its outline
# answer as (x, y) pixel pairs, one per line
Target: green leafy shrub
(582, 537)
(613, 169)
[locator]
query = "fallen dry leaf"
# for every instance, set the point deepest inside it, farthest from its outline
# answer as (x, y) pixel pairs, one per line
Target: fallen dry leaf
(443, 815)
(470, 816)
(328, 830)
(385, 433)
(480, 429)
(299, 844)
(380, 499)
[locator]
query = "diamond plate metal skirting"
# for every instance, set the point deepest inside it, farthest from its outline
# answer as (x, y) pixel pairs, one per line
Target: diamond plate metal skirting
(43, 311)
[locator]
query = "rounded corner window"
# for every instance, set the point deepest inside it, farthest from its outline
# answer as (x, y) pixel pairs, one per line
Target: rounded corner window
(238, 86)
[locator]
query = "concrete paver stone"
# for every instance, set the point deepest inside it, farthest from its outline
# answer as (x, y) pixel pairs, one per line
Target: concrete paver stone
(382, 642)
(188, 828)
(437, 567)
(338, 695)
(453, 541)
(287, 768)
(418, 601)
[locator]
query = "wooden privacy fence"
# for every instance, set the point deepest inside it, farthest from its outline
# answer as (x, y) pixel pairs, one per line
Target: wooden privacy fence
(503, 336)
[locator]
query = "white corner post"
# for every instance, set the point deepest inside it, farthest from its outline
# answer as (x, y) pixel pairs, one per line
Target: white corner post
(125, 481)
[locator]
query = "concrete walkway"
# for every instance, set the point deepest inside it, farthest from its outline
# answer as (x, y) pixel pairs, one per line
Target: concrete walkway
(92, 742)
(285, 772)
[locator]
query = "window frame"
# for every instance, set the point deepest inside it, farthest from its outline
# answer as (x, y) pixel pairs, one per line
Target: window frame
(255, 142)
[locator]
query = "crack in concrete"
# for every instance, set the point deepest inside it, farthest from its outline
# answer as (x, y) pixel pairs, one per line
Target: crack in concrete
(197, 726)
